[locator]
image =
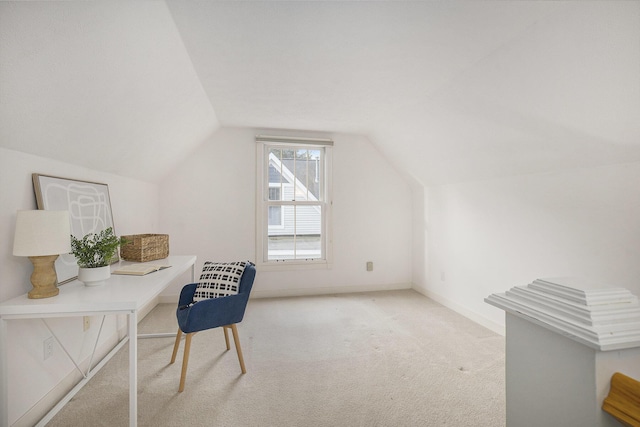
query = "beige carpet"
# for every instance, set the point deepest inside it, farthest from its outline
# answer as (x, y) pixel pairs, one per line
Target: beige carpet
(371, 359)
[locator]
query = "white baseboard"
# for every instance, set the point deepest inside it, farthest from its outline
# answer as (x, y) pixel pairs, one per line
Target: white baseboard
(298, 292)
(479, 319)
(168, 299)
(276, 293)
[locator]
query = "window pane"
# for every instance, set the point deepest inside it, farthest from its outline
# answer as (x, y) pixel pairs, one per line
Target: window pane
(275, 215)
(274, 193)
(299, 172)
(300, 237)
(277, 152)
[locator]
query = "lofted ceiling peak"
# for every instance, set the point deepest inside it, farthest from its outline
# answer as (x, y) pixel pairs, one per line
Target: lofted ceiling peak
(448, 90)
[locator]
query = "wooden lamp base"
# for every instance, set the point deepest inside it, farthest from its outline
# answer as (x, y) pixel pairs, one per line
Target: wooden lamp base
(44, 278)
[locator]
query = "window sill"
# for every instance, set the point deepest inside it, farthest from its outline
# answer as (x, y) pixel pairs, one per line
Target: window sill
(293, 265)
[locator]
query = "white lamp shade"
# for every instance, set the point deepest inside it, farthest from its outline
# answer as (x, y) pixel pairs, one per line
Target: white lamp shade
(41, 233)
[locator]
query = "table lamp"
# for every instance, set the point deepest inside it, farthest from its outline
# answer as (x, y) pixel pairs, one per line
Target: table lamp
(42, 235)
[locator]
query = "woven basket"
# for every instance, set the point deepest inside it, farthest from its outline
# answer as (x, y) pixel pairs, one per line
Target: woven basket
(145, 247)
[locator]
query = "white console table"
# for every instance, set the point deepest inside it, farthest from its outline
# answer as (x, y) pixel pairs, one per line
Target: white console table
(120, 295)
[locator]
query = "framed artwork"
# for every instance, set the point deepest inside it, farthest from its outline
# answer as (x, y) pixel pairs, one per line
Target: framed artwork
(89, 209)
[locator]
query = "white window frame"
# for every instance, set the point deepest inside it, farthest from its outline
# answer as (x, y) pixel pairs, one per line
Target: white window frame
(263, 145)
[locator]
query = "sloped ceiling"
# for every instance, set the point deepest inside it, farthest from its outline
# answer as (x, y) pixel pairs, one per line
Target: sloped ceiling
(106, 85)
(448, 90)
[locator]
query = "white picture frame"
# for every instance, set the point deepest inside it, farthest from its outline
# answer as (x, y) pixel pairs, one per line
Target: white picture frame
(89, 207)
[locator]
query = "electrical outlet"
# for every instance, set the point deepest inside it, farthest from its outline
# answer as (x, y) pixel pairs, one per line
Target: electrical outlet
(47, 348)
(369, 265)
(86, 323)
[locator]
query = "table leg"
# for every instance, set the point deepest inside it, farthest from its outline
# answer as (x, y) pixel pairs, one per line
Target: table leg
(133, 368)
(4, 375)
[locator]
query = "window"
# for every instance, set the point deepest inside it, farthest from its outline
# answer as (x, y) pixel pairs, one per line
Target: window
(293, 201)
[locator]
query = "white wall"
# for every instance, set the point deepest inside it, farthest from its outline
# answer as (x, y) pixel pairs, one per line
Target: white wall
(486, 237)
(208, 208)
(134, 205)
(463, 242)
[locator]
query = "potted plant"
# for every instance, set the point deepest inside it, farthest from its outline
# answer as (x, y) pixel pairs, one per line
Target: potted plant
(94, 253)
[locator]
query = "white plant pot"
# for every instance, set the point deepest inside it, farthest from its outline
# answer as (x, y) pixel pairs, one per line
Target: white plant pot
(94, 276)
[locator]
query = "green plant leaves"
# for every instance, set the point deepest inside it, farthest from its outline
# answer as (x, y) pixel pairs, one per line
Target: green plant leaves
(95, 249)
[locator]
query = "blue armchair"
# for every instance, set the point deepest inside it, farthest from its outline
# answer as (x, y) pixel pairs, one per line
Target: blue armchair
(212, 313)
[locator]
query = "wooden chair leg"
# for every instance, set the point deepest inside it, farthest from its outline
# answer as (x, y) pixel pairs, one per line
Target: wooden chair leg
(236, 340)
(185, 361)
(175, 346)
(226, 337)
